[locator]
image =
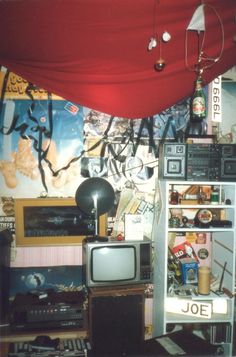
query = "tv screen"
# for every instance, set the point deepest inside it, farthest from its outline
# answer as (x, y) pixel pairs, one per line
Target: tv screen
(113, 263)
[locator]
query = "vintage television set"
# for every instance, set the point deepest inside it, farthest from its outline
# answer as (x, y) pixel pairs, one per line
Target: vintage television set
(117, 262)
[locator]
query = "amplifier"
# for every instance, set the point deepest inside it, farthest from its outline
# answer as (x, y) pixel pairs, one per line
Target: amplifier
(203, 162)
(198, 162)
(48, 310)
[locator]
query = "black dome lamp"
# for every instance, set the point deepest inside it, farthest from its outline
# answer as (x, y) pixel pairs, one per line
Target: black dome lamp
(95, 196)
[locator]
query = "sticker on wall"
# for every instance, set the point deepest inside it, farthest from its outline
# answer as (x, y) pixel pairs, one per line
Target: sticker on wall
(94, 167)
(58, 278)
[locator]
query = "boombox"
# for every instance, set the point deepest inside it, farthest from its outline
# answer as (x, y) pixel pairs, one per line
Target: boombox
(197, 162)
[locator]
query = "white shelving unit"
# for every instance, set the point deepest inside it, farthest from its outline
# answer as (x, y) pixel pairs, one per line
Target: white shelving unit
(222, 250)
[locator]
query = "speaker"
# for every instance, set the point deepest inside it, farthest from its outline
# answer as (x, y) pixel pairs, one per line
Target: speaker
(116, 323)
(172, 161)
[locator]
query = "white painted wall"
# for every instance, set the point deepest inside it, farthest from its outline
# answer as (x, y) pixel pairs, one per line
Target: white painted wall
(229, 102)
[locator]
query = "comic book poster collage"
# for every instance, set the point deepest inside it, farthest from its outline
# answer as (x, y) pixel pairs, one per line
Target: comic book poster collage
(48, 145)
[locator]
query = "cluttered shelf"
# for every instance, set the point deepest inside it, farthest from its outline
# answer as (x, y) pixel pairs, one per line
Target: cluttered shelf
(196, 255)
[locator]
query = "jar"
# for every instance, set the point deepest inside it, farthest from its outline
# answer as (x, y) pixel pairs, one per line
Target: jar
(204, 280)
(174, 198)
(215, 197)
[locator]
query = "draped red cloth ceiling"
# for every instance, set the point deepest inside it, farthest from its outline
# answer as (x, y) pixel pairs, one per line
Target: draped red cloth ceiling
(94, 52)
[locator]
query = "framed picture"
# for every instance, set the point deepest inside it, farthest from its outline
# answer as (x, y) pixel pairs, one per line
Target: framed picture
(53, 221)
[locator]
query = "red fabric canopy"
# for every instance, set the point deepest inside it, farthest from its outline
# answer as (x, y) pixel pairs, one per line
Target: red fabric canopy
(94, 52)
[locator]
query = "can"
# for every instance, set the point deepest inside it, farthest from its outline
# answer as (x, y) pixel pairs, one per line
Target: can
(215, 198)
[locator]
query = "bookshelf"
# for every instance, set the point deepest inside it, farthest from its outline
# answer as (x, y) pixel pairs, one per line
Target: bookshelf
(178, 304)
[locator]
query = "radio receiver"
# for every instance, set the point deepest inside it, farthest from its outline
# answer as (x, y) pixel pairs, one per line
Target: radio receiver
(198, 162)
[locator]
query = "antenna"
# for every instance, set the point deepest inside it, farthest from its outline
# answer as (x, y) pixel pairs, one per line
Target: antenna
(222, 278)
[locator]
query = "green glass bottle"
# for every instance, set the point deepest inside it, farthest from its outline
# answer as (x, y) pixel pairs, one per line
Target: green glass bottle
(198, 104)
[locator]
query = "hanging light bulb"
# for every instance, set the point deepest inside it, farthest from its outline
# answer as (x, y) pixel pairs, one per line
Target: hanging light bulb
(160, 64)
